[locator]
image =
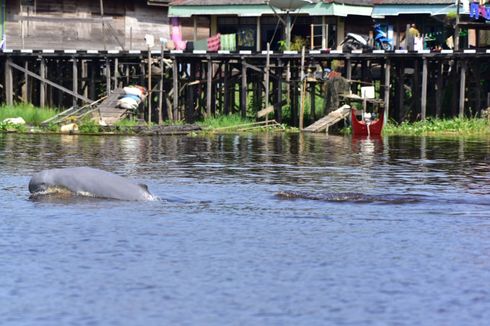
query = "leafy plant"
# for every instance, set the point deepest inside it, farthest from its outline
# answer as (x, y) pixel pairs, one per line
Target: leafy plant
(89, 127)
(460, 126)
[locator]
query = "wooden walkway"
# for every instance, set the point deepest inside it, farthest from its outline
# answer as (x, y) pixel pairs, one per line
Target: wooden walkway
(329, 120)
(108, 110)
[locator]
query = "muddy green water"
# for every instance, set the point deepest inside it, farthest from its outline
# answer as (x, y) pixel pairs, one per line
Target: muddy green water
(221, 248)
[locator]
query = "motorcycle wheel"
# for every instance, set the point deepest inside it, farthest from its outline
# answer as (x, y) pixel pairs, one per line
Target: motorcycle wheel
(349, 45)
(386, 46)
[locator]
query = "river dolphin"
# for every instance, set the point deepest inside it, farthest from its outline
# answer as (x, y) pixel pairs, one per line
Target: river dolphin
(351, 197)
(87, 181)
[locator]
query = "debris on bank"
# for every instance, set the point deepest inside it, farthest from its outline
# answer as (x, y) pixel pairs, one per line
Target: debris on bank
(152, 130)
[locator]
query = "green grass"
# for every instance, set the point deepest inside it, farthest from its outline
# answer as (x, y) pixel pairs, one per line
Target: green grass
(31, 115)
(459, 126)
(224, 121)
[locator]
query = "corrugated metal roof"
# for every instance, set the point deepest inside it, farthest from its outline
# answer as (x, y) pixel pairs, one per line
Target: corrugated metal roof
(256, 10)
(351, 2)
(219, 2)
(396, 9)
(414, 2)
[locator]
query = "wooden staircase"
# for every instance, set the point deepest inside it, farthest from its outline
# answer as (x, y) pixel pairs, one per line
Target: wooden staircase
(329, 120)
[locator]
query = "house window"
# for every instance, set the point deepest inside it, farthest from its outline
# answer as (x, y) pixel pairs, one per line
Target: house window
(27, 3)
(245, 29)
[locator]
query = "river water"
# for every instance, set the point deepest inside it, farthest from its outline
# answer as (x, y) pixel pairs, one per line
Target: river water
(220, 246)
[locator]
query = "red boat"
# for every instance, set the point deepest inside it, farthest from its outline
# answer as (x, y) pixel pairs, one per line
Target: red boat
(366, 127)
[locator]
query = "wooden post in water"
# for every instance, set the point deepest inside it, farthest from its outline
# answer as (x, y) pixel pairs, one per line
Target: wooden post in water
(42, 88)
(278, 108)
(462, 88)
(160, 90)
(175, 76)
(302, 80)
(108, 76)
(416, 94)
(226, 89)
(267, 74)
(312, 100)
(439, 83)
(423, 104)
(477, 88)
(149, 85)
(25, 89)
(116, 73)
(387, 91)
(401, 90)
(75, 79)
(9, 85)
(243, 90)
(209, 87)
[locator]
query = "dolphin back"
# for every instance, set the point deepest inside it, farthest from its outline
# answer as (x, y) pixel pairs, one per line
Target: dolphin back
(92, 182)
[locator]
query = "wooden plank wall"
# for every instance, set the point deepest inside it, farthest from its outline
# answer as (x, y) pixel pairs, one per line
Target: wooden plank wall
(129, 18)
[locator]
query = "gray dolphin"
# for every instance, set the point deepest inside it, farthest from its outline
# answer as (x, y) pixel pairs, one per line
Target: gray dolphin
(351, 197)
(88, 182)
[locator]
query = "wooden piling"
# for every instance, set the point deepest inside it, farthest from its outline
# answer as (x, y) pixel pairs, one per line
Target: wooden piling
(387, 90)
(209, 86)
(226, 89)
(108, 75)
(160, 88)
(462, 89)
(150, 88)
(9, 85)
(302, 81)
(243, 89)
(423, 104)
(75, 79)
(175, 83)
(42, 88)
(439, 92)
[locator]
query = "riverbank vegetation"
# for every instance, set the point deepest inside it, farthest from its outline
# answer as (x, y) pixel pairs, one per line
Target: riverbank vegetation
(455, 126)
(230, 123)
(32, 116)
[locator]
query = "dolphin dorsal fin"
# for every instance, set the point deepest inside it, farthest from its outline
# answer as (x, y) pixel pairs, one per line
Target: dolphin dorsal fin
(142, 185)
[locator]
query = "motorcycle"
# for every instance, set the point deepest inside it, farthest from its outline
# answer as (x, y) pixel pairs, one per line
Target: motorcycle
(380, 38)
(354, 41)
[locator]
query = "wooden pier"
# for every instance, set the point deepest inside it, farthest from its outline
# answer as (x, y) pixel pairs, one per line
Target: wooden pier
(192, 85)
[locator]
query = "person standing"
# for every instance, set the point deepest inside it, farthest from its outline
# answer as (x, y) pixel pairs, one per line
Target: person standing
(412, 33)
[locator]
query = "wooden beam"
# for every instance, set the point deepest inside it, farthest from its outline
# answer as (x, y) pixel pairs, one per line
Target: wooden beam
(302, 90)
(243, 90)
(387, 90)
(439, 84)
(9, 85)
(423, 98)
(42, 89)
(209, 87)
(75, 79)
(462, 89)
(348, 73)
(107, 76)
(160, 90)
(150, 89)
(175, 76)
(61, 88)
(249, 66)
(226, 89)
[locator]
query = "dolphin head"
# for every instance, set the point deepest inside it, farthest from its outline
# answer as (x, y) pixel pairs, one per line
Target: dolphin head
(40, 182)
